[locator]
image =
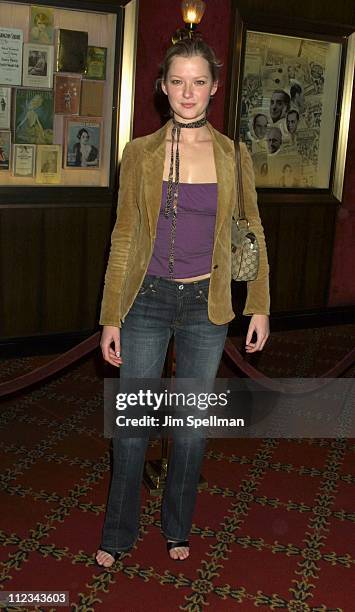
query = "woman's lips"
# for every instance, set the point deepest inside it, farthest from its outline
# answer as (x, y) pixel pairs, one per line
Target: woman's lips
(187, 105)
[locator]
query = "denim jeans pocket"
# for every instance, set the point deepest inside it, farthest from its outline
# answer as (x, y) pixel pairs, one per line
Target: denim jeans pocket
(202, 295)
(147, 288)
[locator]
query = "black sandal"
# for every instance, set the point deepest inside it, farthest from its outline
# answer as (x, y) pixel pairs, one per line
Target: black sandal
(181, 544)
(116, 556)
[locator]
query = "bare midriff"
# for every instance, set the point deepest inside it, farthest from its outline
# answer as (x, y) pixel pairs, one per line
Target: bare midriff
(194, 278)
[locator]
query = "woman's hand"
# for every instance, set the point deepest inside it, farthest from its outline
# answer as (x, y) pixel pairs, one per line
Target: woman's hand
(111, 335)
(259, 324)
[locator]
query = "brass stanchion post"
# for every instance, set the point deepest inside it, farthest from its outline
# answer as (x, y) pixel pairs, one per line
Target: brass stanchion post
(155, 472)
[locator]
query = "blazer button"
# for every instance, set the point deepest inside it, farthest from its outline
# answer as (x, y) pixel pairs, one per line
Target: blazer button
(216, 266)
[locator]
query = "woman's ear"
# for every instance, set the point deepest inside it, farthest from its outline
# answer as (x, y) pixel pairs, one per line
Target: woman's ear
(214, 88)
(164, 88)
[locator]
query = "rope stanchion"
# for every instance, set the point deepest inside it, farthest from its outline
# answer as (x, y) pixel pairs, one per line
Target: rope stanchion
(234, 354)
(52, 367)
(90, 344)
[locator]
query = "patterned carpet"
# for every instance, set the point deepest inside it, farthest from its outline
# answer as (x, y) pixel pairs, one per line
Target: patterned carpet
(273, 529)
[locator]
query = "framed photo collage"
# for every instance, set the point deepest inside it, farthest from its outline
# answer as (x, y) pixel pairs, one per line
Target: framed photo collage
(56, 96)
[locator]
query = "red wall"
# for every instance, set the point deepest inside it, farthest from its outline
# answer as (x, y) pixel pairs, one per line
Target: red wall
(158, 20)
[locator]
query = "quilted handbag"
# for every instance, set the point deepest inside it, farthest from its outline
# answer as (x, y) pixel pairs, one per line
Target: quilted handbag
(245, 247)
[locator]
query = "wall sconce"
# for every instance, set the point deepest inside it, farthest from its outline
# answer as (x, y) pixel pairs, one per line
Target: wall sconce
(192, 13)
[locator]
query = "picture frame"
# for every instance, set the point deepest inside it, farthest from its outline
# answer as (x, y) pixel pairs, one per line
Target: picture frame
(48, 164)
(5, 108)
(24, 160)
(290, 84)
(33, 116)
(5, 149)
(11, 44)
(96, 63)
(67, 93)
(71, 50)
(41, 30)
(37, 65)
(83, 138)
(91, 98)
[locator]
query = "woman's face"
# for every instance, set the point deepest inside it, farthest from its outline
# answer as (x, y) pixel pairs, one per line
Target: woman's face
(84, 138)
(189, 87)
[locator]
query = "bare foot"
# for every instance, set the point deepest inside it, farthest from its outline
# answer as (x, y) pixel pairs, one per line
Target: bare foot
(180, 552)
(104, 558)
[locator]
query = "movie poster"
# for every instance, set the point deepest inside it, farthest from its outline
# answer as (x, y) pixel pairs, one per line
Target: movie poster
(33, 116)
(67, 94)
(38, 65)
(5, 149)
(82, 137)
(48, 164)
(5, 108)
(41, 25)
(24, 160)
(10, 56)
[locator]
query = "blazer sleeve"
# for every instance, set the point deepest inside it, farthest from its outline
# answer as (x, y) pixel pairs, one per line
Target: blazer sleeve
(258, 297)
(122, 241)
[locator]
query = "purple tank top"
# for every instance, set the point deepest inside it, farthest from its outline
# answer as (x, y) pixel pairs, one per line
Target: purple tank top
(195, 224)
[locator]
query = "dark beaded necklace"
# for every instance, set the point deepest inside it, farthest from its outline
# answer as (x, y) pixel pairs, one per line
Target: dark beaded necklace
(173, 185)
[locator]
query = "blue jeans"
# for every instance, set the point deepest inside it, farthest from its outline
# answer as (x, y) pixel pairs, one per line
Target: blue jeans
(162, 308)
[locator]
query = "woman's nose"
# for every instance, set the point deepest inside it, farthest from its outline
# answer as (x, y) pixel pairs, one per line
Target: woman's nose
(187, 91)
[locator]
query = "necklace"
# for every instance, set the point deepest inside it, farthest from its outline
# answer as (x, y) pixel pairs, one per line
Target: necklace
(173, 185)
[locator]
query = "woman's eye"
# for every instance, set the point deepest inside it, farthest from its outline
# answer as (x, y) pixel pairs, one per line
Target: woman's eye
(176, 82)
(201, 82)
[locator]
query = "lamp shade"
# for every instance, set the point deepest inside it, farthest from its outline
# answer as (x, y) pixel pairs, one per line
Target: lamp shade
(192, 11)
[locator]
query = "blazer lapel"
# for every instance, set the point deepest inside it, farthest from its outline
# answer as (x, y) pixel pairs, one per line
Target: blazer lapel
(224, 158)
(153, 171)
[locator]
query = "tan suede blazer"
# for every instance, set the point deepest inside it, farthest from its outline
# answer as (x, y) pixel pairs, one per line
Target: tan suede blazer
(133, 236)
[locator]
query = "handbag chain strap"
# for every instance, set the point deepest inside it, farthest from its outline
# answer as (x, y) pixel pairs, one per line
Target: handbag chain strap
(239, 182)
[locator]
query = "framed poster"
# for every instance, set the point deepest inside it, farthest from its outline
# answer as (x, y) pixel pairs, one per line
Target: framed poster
(5, 149)
(37, 65)
(82, 142)
(92, 98)
(96, 63)
(11, 40)
(67, 94)
(33, 116)
(24, 160)
(41, 25)
(286, 101)
(48, 163)
(5, 107)
(72, 51)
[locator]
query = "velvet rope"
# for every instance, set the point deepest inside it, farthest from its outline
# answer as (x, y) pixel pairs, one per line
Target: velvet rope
(90, 344)
(269, 383)
(52, 367)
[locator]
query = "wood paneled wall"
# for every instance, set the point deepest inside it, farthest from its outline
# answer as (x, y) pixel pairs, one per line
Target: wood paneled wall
(51, 271)
(52, 260)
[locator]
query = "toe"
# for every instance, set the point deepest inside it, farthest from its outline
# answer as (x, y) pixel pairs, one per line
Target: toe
(104, 558)
(181, 552)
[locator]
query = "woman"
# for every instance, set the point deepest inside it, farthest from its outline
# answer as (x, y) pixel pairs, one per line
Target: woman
(287, 179)
(169, 272)
(86, 154)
